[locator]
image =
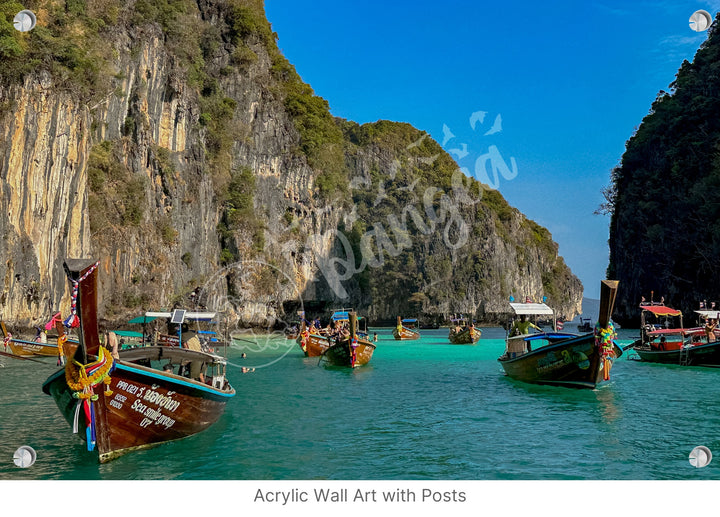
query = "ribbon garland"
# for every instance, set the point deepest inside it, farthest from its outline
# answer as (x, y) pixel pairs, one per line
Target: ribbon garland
(303, 340)
(7, 340)
(82, 381)
(353, 352)
(605, 342)
(73, 321)
(61, 354)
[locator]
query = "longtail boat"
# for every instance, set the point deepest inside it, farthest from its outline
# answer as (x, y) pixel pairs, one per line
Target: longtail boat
(406, 329)
(561, 358)
(46, 347)
(352, 350)
(462, 333)
(663, 341)
(124, 400)
(314, 340)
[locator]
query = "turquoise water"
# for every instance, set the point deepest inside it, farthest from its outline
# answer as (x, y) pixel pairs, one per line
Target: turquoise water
(422, 410)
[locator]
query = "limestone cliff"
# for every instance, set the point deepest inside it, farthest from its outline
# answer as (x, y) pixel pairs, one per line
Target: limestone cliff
(177, 146)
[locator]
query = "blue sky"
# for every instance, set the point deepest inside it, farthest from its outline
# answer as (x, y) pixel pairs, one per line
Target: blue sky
(570, 82)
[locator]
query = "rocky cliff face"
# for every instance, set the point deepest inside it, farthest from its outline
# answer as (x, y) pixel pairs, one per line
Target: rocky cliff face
(176, 184)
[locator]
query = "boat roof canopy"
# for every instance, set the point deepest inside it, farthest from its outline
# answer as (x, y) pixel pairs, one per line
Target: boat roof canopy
(531, 309)
(683, 332)
(709, 314)
(343, 316)
(200, 316)
(661, 310)
(127, 333)
(142, 319)
(409, 320)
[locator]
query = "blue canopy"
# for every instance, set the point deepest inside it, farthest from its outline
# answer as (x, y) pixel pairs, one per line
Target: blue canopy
(409, 320)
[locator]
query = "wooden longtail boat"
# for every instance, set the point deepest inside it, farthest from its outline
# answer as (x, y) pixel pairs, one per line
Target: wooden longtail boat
(26, 348)
(314, 341)
(351, 351)
(120, 404)
(406, 330)
(463, 334)
(669, 344)
(563, 359)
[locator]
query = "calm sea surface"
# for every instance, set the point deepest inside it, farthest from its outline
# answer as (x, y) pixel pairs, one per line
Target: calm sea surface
(423, 410)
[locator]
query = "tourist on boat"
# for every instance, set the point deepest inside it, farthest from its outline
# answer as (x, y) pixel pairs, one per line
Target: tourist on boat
(710, 327)
(522, 326)
(41, 336)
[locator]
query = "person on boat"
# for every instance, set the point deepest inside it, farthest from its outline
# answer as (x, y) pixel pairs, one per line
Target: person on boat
(168, 368)
(40, 336)
(522, 326)
(710, 327)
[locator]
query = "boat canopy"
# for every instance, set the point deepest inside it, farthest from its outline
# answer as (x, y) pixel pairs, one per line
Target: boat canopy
(696, 331)
(709, 314)
(532, 309)
(200, 316)
(343, 315)
(127, 333)
(661, 310)
(142, 319)
(409, 320)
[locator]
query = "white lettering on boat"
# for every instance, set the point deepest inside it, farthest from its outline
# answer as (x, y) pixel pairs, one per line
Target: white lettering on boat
(163, 401)
(152, 416)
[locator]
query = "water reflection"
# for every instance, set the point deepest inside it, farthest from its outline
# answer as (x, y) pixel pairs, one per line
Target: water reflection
(609, 411)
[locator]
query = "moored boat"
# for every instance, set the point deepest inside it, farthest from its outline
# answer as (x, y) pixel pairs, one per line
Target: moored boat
(352, 350)
(42, 346)
(406, 329)
(140, 397)
(314, 339)
(585, 325)
(463, 333)
(561, 358)
(662, 341)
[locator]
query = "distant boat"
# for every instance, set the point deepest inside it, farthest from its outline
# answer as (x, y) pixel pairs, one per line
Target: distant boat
(351, 351)
(462, 333)
(562, 359)
(584, 325)
(314, 340)
(140, 398)
(406, 329)
(667, 343)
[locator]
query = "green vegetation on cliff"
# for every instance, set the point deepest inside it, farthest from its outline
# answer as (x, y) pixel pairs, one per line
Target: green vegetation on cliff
(665, 227)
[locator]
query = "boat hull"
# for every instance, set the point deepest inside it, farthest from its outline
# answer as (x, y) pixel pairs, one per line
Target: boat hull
(464, 337)
(573, 362)
(314, 345)
(146, 408)
(340, 354)
(405, 334)
(697, 355)
(32, 348)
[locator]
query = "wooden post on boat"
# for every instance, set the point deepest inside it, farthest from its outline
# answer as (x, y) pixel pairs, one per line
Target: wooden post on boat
(83, 274)
(352, 316)
(608, 292)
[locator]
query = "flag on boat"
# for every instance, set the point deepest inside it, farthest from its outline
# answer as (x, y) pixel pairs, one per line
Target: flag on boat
(559, 325)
